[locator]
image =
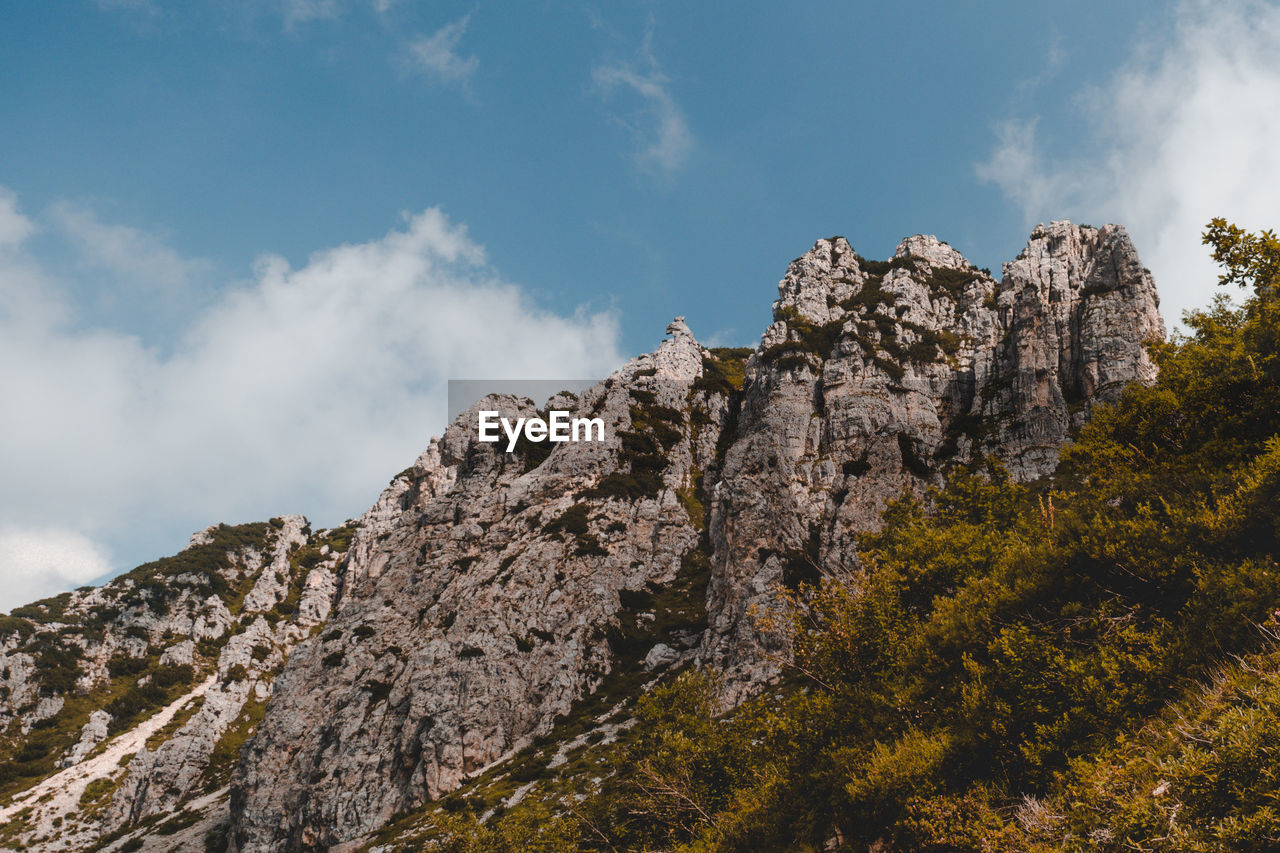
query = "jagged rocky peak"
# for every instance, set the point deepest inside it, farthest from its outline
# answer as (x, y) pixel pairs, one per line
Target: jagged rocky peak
(818, 284)
(128, 702)
(931, 249)
(489, 593)
(876, 377)
(678, 358)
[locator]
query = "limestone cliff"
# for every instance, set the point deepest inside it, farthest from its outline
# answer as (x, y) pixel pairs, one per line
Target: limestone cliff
(875, 377)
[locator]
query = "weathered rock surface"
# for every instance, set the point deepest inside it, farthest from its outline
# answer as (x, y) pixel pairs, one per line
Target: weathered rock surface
(158, 779)
(475, 609)
(933, 363)
(224, 612)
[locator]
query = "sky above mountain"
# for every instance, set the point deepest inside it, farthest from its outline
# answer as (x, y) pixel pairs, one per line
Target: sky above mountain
(243, 246)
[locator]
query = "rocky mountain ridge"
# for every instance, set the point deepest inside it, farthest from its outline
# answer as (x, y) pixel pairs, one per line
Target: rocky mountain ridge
(487, 595)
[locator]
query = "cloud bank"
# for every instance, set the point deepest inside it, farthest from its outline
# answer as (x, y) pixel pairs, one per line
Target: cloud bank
(1187, 129)
(301, 390)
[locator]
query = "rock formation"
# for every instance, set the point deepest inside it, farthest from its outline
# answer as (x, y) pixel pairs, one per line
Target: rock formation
(487, 595)
(482, 588)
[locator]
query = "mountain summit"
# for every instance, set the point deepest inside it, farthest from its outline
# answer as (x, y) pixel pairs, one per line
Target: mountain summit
(493, 604)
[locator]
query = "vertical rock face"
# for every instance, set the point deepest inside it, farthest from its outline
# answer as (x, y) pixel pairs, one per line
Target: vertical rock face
(1080, 307)
(483, 588)
(875, 377)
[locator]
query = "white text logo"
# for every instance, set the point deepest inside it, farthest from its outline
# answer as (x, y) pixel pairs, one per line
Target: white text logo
(558, 426)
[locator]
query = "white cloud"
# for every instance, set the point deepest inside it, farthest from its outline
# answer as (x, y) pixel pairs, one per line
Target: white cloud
(1186, 130)
(39, 563)
(14, 227)
(302, 390)
(127, 252)
(437, 55)
(302, 11)
(659, 125)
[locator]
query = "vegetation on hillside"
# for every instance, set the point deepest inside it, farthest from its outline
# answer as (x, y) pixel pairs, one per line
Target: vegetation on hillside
(1084, 663)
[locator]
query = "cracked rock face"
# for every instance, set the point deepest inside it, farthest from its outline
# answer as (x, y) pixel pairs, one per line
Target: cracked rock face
(482, 589)
(475, 608)
(934, 363)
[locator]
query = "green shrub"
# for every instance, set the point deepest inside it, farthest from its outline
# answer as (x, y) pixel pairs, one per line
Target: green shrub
(96, 790)
(724, 371)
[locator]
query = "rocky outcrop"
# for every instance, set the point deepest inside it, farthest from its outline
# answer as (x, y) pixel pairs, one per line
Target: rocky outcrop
(874, 378)
(484, 588)
(476, 607)
(159, 779)
(174, 659)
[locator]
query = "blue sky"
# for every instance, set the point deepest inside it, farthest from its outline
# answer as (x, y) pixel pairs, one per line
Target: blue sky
(243, 245)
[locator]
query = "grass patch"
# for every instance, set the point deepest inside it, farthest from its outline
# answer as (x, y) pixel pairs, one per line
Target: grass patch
(226, 752)
(723, 370)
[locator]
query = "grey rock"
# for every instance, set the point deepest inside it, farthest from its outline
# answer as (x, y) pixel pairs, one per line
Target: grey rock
(93, 733)
(825, 443)
(466, 621)
(660, 656)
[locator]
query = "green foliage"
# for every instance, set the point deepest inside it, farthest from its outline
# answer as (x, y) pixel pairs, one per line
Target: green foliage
(724, 371)
(880, 269)
(122, 665)
(16, 625)
(1201, 776)
(655, 430)
(136, 702)
(952, 282)
(207, 559)
(803, 337)
(378, 691)
(573, 521)
(1251, 260)
(178, 822)
(226, 752)
(96, 790)
(45, 610)
(57, 661)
